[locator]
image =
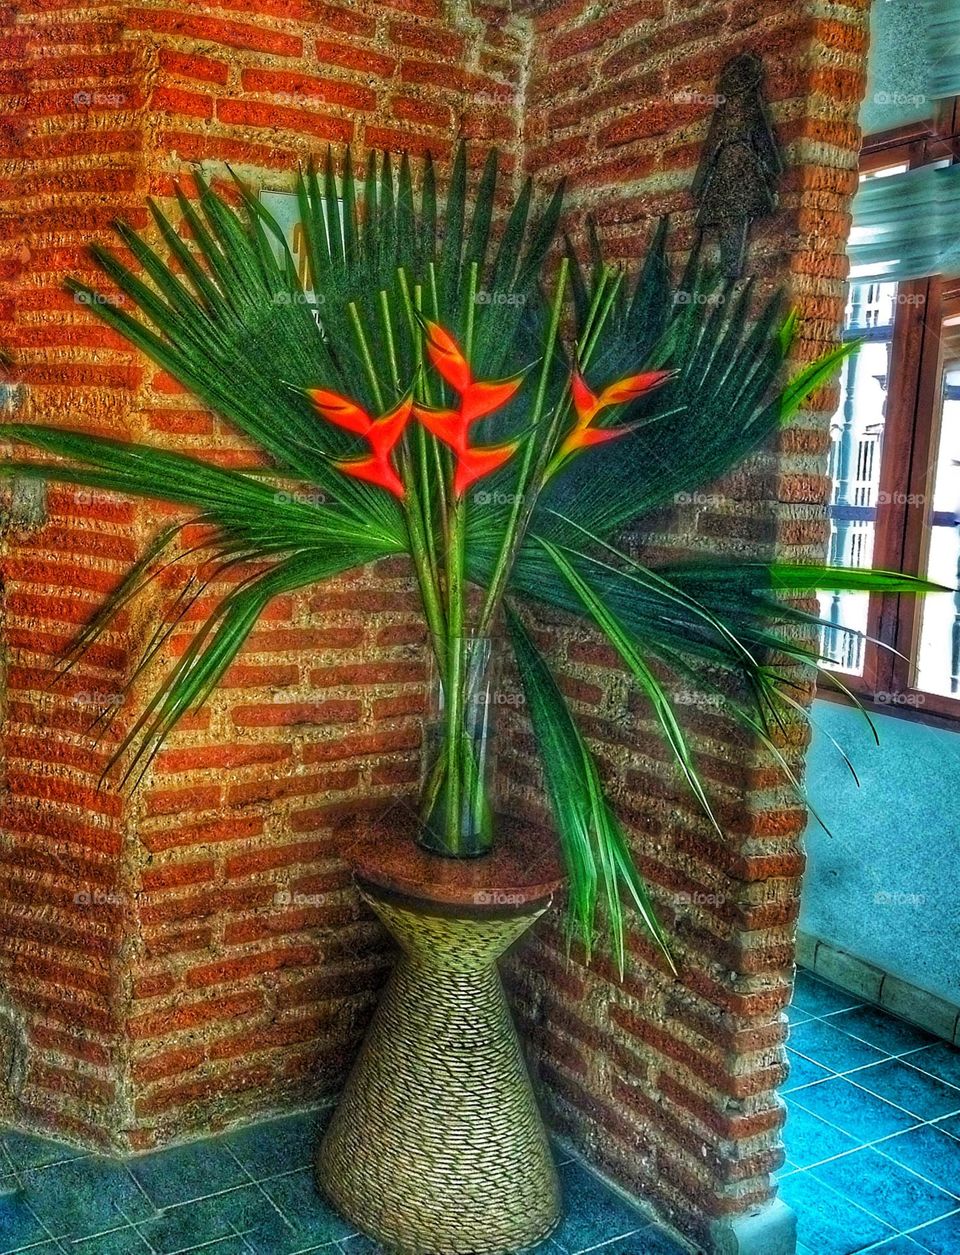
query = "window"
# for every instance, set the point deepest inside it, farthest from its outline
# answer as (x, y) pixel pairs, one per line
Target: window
(856, 446)
(938, 641)
(895, 469)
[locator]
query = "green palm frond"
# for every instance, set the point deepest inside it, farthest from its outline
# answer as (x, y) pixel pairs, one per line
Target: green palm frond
(263, 514)
(595, 849)
(191, 680)
(607, 622)
(723, 403)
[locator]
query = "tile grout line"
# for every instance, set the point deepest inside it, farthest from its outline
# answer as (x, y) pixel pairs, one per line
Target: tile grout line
(896, 1230)
(876, 1063)
(824, 1185)
(910, 1058)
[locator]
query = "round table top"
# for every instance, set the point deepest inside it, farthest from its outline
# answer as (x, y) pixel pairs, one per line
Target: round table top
(523, 868)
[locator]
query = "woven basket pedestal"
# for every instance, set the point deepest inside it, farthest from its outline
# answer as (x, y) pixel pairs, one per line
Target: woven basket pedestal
(437, 1144)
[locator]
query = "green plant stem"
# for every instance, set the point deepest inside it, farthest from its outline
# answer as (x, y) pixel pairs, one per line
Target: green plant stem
(595, 303)
(423, 440)
(592, 334)
(455, 697)
(584, 353)
(414, 514)
(520, 510)
(440, 452)
(592, 328)
(429, 592)
(365, 354)
(531, 481)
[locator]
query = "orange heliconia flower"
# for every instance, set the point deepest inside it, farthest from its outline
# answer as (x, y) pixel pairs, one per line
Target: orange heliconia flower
(381, 434)
(478, 399)
(588, 405)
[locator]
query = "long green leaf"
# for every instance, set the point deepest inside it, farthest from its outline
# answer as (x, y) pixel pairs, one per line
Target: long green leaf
(595, 849)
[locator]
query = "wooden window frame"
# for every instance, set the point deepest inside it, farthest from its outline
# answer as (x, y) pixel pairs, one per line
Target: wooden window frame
(911, 429)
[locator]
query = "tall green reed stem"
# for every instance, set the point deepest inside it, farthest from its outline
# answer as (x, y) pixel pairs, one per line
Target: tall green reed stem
(455, 696)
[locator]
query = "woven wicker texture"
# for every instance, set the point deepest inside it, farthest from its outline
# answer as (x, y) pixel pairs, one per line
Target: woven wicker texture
(437, 1144)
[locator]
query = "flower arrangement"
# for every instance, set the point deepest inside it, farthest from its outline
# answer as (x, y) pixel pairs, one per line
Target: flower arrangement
(426, 352)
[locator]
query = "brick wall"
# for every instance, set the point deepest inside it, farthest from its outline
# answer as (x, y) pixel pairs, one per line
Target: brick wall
(669, 1085)
(193, 953)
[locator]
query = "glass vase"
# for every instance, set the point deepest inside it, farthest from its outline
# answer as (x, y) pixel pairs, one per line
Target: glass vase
(456, 801)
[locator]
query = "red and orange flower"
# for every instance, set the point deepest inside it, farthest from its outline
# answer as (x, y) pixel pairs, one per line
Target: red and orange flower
(381, 434)
(588, 405)
(478, 399)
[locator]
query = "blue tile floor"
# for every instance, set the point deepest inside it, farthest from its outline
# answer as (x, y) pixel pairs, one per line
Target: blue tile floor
(873, 1129)
(873, 1164)
(249, 1192)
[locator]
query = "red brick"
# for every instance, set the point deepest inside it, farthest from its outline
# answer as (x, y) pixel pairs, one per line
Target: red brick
(186, 65)
(175, 100)
(279, 117)
(184, 1093)
(228, 970)
(215, 30)
(292, 714)
(236, 828)
(364, 673)
(306, 87)
(166, 1063)
(291, 786)
(175, 875)
(421, 112)
(269, 858)
(190, 1015)
(343, 19)
(175, 801)
(348, 57)
(426, 38)
(153, 986)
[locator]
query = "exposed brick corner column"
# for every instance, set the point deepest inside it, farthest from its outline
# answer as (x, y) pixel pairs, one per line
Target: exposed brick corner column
(669, 1086)
(190, 954)
(73, 159)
